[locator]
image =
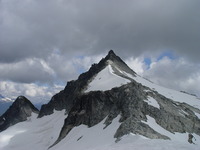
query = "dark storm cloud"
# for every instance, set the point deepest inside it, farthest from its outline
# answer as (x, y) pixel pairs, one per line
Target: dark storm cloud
(36, 28)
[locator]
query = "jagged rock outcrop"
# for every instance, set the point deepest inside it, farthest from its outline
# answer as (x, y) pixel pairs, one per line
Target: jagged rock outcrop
(19, 111)
(129, 101)
(67, 98)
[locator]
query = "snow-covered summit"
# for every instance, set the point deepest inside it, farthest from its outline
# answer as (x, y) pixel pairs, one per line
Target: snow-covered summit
(107, 79)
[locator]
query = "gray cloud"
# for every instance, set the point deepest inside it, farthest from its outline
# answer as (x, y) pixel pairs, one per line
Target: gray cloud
(46, 41)
(27, 71)
(176, 74)
(36, 28)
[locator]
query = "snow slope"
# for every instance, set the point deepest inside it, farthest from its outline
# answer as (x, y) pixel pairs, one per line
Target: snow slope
(33, 134)
(169, 93)
(137, 142)
(106, 80)
(98, 138)
(84, 138)
(41, 133)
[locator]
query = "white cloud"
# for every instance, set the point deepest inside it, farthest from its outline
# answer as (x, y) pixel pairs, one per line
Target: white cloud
(35, 93)
(178, 74)
(137, 64)
(69, 69)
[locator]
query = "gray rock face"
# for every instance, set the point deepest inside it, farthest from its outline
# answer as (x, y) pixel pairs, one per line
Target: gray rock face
(18, 112)
(128, 101)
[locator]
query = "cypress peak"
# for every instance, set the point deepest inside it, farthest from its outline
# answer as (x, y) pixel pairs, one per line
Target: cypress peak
(66, 98)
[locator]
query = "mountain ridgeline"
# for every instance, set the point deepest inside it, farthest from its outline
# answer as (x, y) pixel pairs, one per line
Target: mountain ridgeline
(67, 98)
(132, 101)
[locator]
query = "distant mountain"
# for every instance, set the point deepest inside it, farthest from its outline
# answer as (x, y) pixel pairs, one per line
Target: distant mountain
(5, 99)
(19, 111)
(109, 107)
(5, 103)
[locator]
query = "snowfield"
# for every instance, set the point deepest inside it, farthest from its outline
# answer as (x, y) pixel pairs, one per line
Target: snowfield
(84, 138)
(33, 134)
(39, 134)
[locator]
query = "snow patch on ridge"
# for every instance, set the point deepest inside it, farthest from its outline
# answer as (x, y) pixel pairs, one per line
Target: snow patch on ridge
(197, 114)
(178, 137)
(151, 101)
(106, 80)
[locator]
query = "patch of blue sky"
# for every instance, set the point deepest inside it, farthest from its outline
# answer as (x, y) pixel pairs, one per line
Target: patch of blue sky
(56, 51)
(60, 83)
(48, 85)
(41, 84)
(80, 69)
(147, 60)
(168, 54)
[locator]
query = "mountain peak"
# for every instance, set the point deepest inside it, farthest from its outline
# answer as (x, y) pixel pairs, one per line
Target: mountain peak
(111, 53)
(21, 99)
(112, 56)
(19, 111)
(113, 64)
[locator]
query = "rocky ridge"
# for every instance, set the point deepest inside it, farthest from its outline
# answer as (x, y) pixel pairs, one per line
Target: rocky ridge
(130, 101)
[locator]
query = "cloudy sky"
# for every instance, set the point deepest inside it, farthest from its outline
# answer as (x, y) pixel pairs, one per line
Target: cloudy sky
(45, 43)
